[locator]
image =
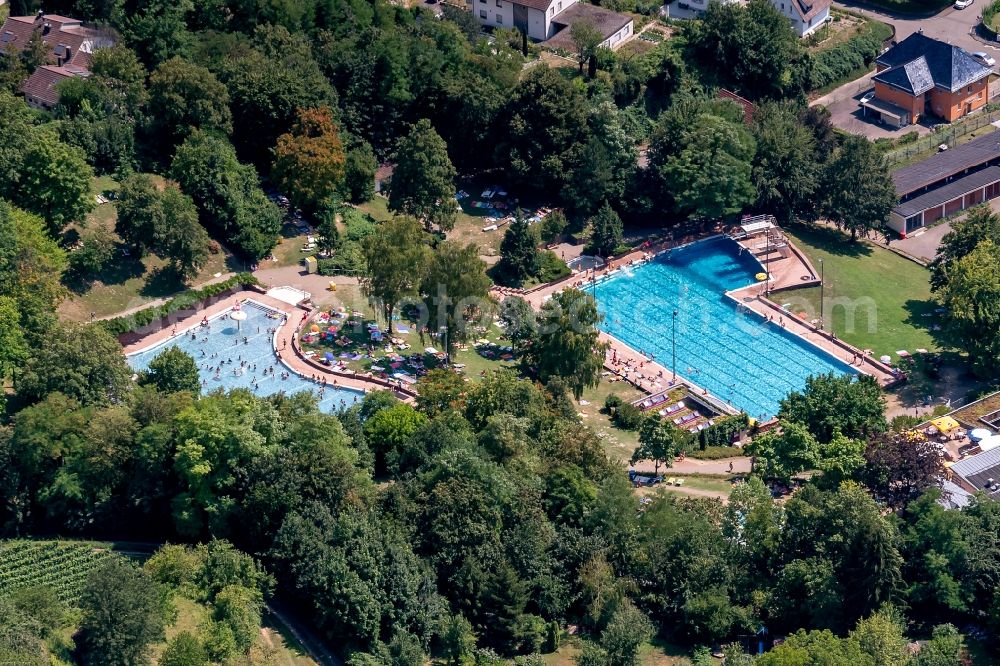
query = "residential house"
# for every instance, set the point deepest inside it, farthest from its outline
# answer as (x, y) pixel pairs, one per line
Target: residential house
(71, 46)
(921, 75)
(543, 20)
(806, 16)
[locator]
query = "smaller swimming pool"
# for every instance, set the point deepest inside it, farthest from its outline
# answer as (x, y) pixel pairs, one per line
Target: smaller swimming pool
(228, 358)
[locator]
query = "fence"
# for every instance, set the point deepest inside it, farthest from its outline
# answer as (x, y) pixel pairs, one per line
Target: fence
(948, 135)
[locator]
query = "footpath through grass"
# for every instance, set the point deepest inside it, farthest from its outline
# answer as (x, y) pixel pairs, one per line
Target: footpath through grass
(874, 299)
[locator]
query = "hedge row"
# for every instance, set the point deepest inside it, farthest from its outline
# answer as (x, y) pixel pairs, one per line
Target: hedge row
(842, 60)
(183, 301)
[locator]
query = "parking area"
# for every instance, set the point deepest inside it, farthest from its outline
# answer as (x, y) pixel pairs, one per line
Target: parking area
(848, 115)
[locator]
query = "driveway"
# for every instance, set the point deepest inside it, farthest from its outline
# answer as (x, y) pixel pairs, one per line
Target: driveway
(925, 244)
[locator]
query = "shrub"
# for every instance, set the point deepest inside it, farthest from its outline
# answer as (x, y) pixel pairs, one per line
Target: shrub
(716, 452)
(860, 51)
(551, 267)
(347, 259)
(723, 431)
(182, 301)
(612, 403)
(628, 417)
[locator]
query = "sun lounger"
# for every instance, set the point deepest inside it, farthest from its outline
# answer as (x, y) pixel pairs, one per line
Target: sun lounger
(679, 482)
(670, 481)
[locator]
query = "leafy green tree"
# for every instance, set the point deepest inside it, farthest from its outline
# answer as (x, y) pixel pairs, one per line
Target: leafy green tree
(968, 285)
(389, 431)
(945, 648)
(156, 29)
(786, 170)
(309, 160)
(860, 193)
(359, 173)
(747, 47)
(518, 254)
(586, 38)
(13, 347)
(141, 219)
(606, 234)
(880, 636)
(54, 181)
(781, 455)
(439, 390)
(123, 614)
(396, 258)
(227, 194)
(31, 269)
(815, 648)
(626, 632)
(97, 251)
(553, 225)
(172, 370)
(36, 52)
(607, 162)
(184, 96)
(423, 182)
(660, 441)
(710, 176)
(840, 459)
(546, 131)
(183, 240)
(184, 649)
(240, 609)
(455, 289)
(118, 69)
(458, 641)
(82, 362)
(567, 344)
(854, 406)
(967, 231)
(936, 548)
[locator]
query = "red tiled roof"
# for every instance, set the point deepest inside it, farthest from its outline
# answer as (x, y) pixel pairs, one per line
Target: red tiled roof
(748, 106)
(41, 85)
(65, 32)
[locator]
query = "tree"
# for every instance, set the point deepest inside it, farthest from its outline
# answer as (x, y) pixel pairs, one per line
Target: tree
(978, 224)
(660, 441)
(945, 648)
(968, 290)
(227, 194)
(97, 251)
(183, 241)
(54, 181)
(36, 52)
(359, 173)
(749, 48)
(586, 38)
(455, 289)
(566, 344)
(123, 614)
(141, 218)
(553, 226)
(860, 192)
(710, 175)
(389, 431)
(781, 455)
(457, 640)
(880, 636)
(82, 362)
(13, 347)
(309, 160)
(184, 649)
(546, 131)
(423, 182)
(396, 259)
(852, 406)
(157, 30)
(172, 370)
(901, 466)
(518, 254)
(440, 390)
(184, 96)
(606, 234)
(626, 632)
(786, 170)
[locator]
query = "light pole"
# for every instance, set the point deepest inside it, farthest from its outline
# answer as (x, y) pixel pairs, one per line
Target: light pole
(673, 344)
(822, 271)
(447, 356)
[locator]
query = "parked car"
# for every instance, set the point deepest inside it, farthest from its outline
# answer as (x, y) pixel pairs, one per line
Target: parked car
(962, 4)
(867, 97)
(984, 58)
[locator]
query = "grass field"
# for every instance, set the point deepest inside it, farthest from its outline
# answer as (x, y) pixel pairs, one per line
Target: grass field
(874, 299)
(654, 653)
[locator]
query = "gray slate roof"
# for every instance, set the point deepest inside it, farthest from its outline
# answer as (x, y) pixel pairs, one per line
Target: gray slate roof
(914, 77)
(953, 190)
(949, 66)
(948, 163)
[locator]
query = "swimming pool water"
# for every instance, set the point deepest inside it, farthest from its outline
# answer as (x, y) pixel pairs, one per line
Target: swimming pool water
(727, 349)
(222, 344)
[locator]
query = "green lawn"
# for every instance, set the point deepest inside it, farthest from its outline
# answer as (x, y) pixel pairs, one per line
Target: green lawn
(889, 296)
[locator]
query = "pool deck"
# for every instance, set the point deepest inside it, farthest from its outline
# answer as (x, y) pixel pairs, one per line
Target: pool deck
(788, 267)
(292, 358)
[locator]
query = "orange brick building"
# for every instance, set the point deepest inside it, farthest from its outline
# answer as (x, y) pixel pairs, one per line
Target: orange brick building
(922, 76)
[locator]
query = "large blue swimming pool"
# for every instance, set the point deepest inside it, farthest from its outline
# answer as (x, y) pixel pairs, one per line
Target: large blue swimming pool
(722, 347)
(221, 344)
